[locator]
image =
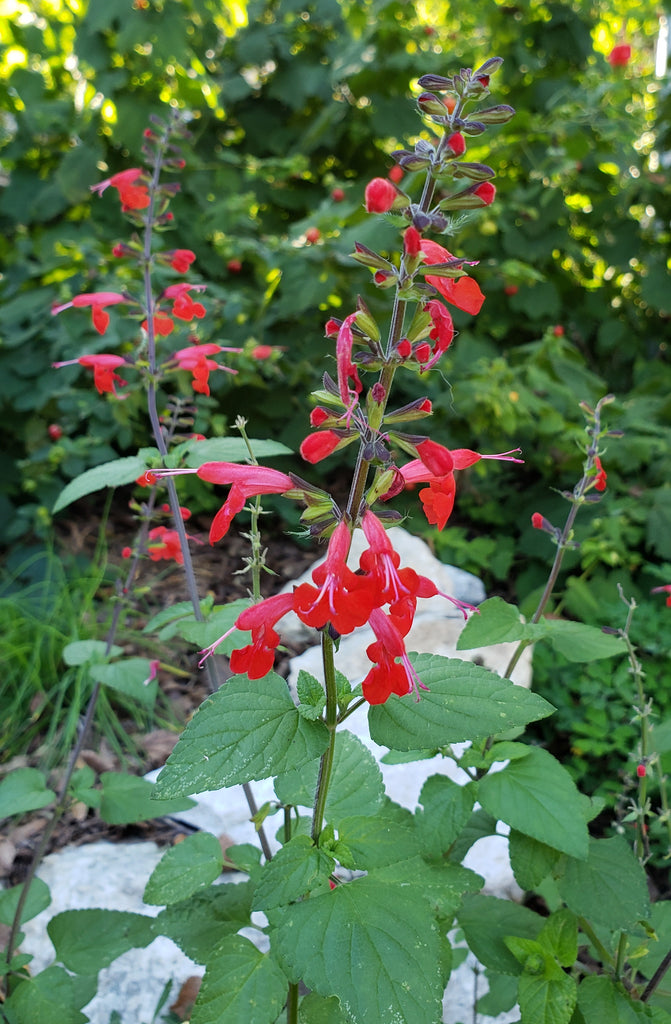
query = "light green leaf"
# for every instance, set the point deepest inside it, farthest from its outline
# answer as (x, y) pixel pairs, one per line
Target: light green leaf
(580, 642)
(530, 860)
(601, 999)
(314, 1009)
(217, 622)
(88, 940)
(296, 870)
(241, 986)
(310, 694)
(249, 729)
(464, 701)
(127, 798)
(229, 449)
(52, 995)
(198, 923)
(184, 869)
(488, 921)
(375, 947)
(537, 796)
(128, 676)
(109, 474)
(560, 933)
(609, 888)
(497, 622)
(38, 899)
(356, 785)
(547, 1000)
(376, 839)
(445, 809)
(24, 789)
(79, 652)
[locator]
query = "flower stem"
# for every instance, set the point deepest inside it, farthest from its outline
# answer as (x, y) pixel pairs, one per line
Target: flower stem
(331, 718)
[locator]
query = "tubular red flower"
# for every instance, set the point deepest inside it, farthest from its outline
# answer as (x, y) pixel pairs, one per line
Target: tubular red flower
(462, 292)
(442, 332)
(257, 659)
(163, 543)
(486, 192)
(412, 241)
(388, 675)
(194, 359)
(601, 475)
(181, 259)
(132, 196)
(457, 144)
(341, 597)
(103, 366)
(347, 371)
(380, 195)
(316, 447)
(247, 482)
(97, 301)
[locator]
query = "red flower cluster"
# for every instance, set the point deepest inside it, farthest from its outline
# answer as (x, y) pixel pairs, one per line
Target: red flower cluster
(132, 195)
(345, 600)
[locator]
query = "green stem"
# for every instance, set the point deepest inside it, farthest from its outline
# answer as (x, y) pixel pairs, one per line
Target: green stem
(621, 955)
(331, 718)
(586, 927)
(292, 1004)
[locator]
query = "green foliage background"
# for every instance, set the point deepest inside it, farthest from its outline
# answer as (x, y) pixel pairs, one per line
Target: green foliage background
(289, 99)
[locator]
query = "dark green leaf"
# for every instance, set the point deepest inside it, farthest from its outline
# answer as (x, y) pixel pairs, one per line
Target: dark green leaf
(109, 474)
(52, 995)
(38, 899)
(184, 869)
(127, 798)
(609, 888)
(88, 940)
(446, 807)
(24, 789)
(200, 922)
(488, 921)
(295, 871)
(241, 986)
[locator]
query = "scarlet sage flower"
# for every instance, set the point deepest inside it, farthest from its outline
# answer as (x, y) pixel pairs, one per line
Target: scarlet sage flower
(319, 446)
(619, 56)
(103, 366)
(340, 596)
(442, 332)
(97, 301)
(181, 259)
(256, 659)
(184, 308)
(347, 371)
(194, 359)
(388, 675)
(163, 543)
(601, 475)
(666, 589)
(132, 195)
(462, 292)
(163, 324)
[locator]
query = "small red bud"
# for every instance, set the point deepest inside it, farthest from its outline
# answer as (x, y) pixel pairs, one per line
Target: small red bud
(511, 289)
(126, 552)
(234, 266)
(380, 195)
(619, 56)
(457, 143)
(537, 521)
(55, 431)
(412, 241)
(640, 771)
(378, 393)
(312, 235)
(396, 173)
(338, 195)
(262, 352)
(450, 102)
(486, 192)
(558, 331)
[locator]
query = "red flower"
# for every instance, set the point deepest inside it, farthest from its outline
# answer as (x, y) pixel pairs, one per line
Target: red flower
(457, 144)
(619, 56)
(258, 657)
(388, 675)
(312, 235)
(194, 359)
(486, 192)
(412, 241)
(340, 597)
(537, 521)
(184, 308)
(55, 431)
(462, 292)
(347, 370)
(234, 266)
(441, 333)
(380, 195)
(262, 352)
(601, 475)
(181, 259)
(337, 195)
(164, 544)
(397, 173)
(103, 366)
(640, 771)
(246, 482)
(132, 196)
(97, 301)
(162, 323)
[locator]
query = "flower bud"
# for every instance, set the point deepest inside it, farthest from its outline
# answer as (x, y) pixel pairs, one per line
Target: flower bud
(412, 241)
(429, 103)
(380, 195)
(457, 144)
(500, 114)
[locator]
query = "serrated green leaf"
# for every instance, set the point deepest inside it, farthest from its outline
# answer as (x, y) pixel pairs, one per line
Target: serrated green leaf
(497, 622)
(580, 642)
(296, 870)
(24, 789)
(38, 899)
(109, 474)
(537, 796)
(197, 924)
(310, 694)
(442, 885)
(488, 921)
(547, 1000)
(479, 825)
(356, 785)
(88, 940)
(530, 860)
(127, 798)
(376, 839)
(217, 622)
(314, 1009)
(609, 887)
(129, 676)
(79, 652)
(52, 995)
(229, 449)
(249, 729)
(464, 701)
(445, 809)
(242, 985)
(377, 949)
(184, 869)
(560, 933)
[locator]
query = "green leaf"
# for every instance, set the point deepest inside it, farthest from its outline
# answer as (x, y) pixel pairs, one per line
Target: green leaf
(502, 994)
(249, 729)
(127, 798)
(547, 1000)
(296, 870)
(38, 899)
(479, 824)
(442, 885)
(537, 796)
(500, 622)
(609, 888)
(377, 949)
(88, 940)
(488, 921)
(314, 1009)
(52, 995)
(464, 702)
(128, 676)
(217, 622)
(530, 860)
(560, 933)
(197, 924)
(229, 449)
(79, 652)
(24, 789)
(109, 474)
(241, 986)
(376, 839)
(184, 869)
(310, 694)
(356, 785)
(600, 999)
(446, 807)
(497, 622)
